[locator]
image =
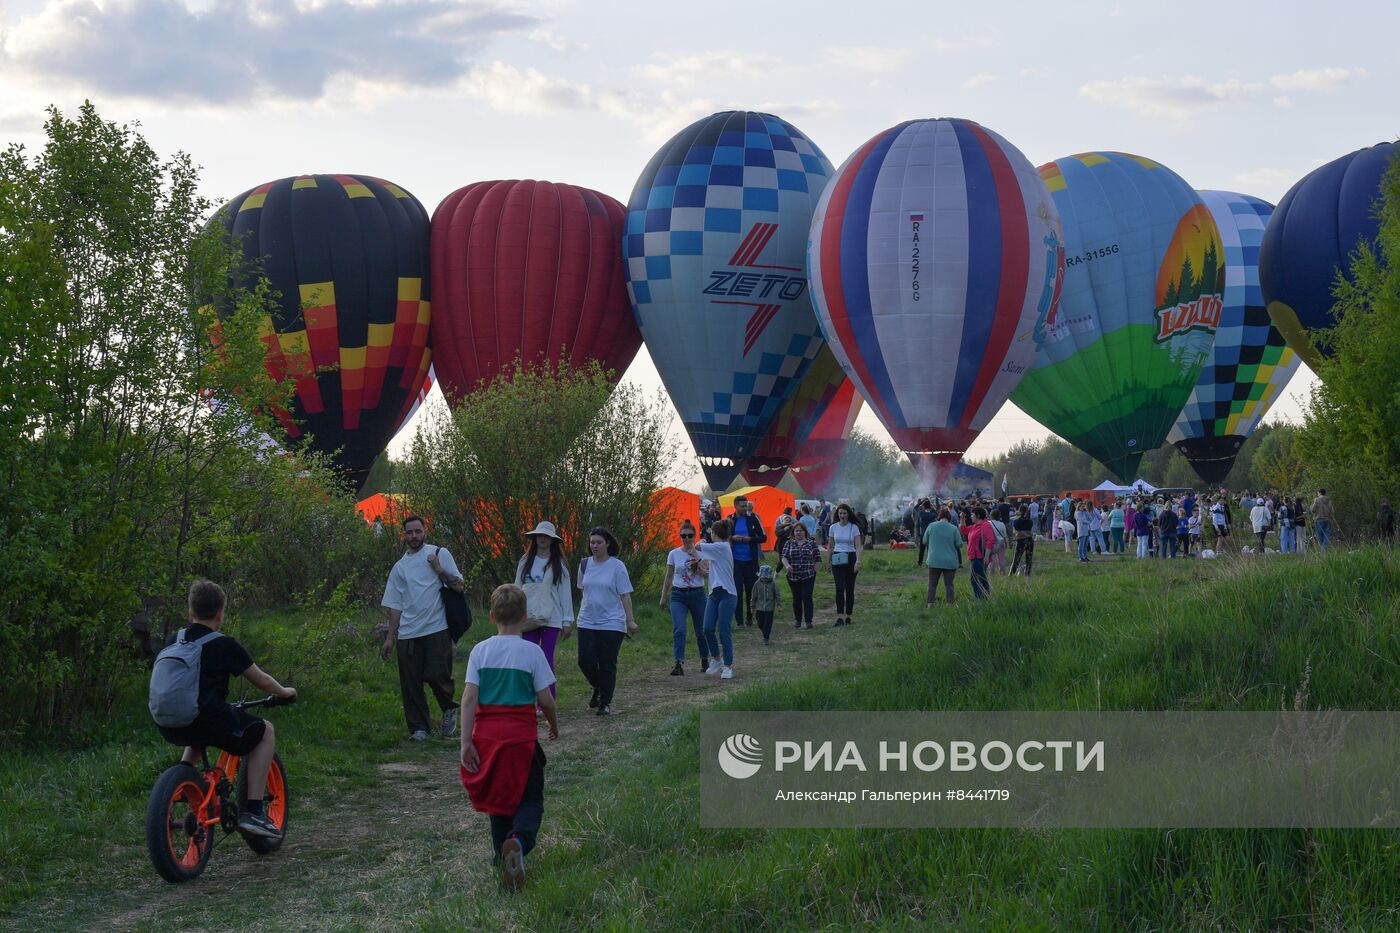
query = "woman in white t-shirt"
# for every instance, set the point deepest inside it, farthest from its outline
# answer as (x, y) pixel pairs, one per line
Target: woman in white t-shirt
(683, 594)
(604, 616)
(843, 547)
(724, 596)
(549, 601)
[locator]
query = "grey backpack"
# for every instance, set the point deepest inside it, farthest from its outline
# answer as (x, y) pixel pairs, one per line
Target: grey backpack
(174, 700)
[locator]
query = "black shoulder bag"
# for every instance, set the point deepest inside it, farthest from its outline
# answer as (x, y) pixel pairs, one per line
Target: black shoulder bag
(459, 613)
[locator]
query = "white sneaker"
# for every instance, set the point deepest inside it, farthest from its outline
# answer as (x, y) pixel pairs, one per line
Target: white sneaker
(419, 736)
(727, 674)
(713, 668)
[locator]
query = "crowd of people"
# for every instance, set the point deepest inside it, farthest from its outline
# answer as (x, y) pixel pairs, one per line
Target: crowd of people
(719, 577)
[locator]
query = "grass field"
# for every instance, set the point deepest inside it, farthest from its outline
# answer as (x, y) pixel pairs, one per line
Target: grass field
(383, 836)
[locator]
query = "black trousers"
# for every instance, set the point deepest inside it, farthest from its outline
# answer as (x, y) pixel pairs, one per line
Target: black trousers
(745, 575)
(426, 659)
(802, 598)
(597, 658)
(525, 823)
(1024, 547)
(845, 575)
(765, 621)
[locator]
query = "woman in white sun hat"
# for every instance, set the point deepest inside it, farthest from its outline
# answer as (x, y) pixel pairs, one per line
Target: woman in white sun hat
(549, 601)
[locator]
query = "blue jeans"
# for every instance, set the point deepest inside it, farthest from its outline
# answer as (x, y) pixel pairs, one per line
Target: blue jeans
(1117, 540)
(1084, 546)
(688, 602)
(1288, 540)
(1323, 529)
(719, 615)
(1097, 538)
(980, 587)
(1168, 545)
(1142, 546)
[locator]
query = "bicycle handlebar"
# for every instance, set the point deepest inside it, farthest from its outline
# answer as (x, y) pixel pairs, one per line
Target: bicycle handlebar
(265, 701)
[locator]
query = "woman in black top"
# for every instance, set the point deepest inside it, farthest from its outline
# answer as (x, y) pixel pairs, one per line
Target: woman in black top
(1024, 531)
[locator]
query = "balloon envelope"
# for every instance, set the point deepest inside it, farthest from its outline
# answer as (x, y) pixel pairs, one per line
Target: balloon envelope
(935, 257)
(817, 458)
(528, 271)
(1137, 316)
(715, 250)
(1250, 364)
(793, 424)
(349, 256)
(1311, 236)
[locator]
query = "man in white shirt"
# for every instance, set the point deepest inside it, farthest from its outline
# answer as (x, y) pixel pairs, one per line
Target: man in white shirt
(418, 629)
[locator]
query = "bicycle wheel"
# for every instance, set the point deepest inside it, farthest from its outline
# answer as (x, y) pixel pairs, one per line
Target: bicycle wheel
(178, 844)
(275, 803)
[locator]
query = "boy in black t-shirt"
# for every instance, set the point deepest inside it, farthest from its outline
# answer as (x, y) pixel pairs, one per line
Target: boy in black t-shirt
(219, 724)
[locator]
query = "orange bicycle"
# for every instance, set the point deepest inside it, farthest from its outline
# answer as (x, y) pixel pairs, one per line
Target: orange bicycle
(189, 804)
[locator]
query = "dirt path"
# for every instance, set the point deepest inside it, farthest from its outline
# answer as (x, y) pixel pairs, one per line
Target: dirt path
(376, 856)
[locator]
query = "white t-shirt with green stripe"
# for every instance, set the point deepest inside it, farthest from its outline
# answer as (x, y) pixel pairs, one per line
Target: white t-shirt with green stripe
(508, 671)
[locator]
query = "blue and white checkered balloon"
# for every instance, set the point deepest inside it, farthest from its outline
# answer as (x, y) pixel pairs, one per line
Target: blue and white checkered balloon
(716, 266)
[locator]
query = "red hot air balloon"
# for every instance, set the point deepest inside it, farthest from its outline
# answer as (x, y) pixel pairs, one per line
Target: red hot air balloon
(529, 270)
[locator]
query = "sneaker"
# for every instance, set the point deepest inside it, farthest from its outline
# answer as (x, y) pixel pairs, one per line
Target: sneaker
(765, 641)
(604, 710)
(512, 865)
(808, 625)
(678, 670)
(257, 824)
(727, 674)
(593, 700)
(419, 735)
(704, 664)
(713, 668)
(449, 722)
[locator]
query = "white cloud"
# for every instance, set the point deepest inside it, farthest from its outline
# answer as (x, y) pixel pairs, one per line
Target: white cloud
(228, 53)
(1267, 182)
(555, 41)
(1317, 79)
(1177, 98)
(689, 70)
(511, 90)
(873, 59)
(978, 80)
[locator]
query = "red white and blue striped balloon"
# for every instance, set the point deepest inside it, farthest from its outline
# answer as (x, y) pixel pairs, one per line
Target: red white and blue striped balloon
(935, 260)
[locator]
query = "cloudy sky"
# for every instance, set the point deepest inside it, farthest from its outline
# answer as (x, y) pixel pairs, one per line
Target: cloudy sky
(435, 94)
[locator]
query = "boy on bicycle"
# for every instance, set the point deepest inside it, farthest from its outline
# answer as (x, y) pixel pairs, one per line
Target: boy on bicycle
(219, 724)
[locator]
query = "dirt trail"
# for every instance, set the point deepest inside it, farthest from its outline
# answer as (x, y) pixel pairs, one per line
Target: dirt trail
(375, 857)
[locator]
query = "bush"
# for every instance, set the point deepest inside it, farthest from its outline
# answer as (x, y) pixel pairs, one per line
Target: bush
(553, 444)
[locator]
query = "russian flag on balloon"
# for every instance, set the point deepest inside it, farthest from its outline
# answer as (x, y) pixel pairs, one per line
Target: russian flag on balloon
(935, 259)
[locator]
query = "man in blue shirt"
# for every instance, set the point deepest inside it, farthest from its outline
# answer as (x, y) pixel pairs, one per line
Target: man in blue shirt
(746, 541)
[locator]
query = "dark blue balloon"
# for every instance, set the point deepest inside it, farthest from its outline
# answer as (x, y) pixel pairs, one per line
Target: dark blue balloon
(1312, 234)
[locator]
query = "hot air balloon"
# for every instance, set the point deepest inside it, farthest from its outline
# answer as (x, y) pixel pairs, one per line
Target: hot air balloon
(1137, 317)
(1251, 364)
(527, 271)
(817, 458)
(1312, 234)
(793, 424)
(349, 256)
(935, 260)
(716, 233)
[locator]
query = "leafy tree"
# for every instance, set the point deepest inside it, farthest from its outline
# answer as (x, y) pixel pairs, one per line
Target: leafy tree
(555, 444)
(119, 480)
(1278, 461)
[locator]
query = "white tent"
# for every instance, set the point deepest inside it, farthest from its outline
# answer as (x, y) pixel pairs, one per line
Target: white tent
(1139, 487)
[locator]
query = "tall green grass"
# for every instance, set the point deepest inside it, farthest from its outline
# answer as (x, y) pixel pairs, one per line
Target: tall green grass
(1188, 635)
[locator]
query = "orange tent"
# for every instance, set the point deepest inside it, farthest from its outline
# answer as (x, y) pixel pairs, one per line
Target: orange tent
(671, 506)
(768, 502)
(380, 506)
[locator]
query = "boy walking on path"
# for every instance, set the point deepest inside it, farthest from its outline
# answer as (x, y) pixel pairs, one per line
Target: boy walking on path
(502, 764)
(765, 600)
